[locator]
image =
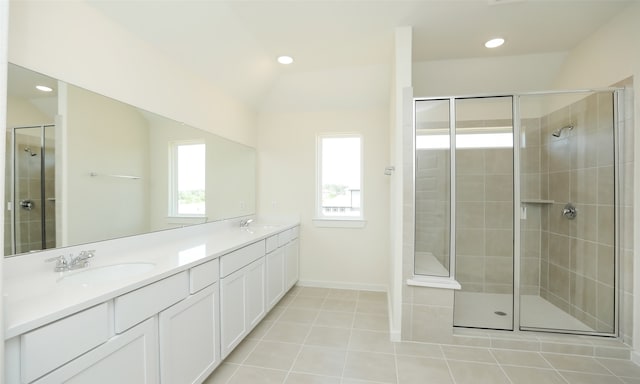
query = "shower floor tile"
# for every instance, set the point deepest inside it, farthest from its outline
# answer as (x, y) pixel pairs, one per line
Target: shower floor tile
(494, 310)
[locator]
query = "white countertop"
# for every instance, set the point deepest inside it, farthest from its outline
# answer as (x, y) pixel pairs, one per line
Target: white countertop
(33, 295)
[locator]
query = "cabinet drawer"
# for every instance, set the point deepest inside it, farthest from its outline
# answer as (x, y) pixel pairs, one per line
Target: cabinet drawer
(284, 237)
(203, 275)
(235, 260)
(52, 345)
(272, 243)
(136, 306)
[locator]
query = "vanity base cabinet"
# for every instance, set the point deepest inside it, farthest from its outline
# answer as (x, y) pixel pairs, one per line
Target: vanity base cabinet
(275, 276)
(242, 304)
(189, 338)
(128, 358)
(292, 266)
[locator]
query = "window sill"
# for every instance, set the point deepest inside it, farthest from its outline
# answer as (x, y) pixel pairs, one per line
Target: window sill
(339, 223)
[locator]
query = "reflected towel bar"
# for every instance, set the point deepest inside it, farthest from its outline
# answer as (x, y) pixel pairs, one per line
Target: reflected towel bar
(94, 174)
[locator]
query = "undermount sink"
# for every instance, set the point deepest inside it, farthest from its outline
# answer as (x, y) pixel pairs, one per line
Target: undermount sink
(106, 273)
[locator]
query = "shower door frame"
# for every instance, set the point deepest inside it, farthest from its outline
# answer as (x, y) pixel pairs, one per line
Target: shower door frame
(14, 203)
(618, 110)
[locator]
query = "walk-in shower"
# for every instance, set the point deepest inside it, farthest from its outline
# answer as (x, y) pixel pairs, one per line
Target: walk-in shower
(31, 193)
(515, 198)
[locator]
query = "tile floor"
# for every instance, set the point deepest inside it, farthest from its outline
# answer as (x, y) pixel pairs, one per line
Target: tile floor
(330, 336)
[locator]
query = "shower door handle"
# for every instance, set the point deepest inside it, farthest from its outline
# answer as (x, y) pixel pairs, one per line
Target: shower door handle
(27, 204)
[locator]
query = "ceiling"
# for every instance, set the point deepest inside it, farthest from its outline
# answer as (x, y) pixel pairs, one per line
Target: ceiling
(234, 44)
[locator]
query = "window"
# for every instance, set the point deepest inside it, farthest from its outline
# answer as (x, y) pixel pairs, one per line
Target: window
(187, 181)
(339, 188)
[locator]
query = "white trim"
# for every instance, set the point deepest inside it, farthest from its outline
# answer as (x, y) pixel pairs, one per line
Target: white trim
(635, 357)
(338, 223)
(342, 285)
(434, 282)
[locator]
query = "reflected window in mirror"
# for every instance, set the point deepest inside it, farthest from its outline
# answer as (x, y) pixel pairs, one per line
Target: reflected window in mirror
(187, 179)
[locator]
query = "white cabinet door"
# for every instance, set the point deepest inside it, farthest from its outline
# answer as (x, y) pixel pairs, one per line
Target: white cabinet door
(242, 298)
(256, 297)
(292, 250)
(189, 338)
(275, 277)
(128, 358)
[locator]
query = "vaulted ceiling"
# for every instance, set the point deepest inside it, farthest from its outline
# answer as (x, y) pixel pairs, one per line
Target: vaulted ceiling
(234, 43)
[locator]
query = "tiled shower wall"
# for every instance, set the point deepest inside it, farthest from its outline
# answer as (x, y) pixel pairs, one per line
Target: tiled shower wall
(577, 256)
(28, 186)
(432, 205)
(484, 219)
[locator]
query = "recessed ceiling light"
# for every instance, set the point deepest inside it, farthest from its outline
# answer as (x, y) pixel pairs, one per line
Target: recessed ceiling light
(43, 88)
(285, 60)
(494, 43)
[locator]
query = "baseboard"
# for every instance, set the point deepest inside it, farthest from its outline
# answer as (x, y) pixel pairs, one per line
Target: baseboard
(340, 285)
(635, 356)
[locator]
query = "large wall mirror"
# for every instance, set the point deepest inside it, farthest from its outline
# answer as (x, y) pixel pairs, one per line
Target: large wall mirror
(81, 167)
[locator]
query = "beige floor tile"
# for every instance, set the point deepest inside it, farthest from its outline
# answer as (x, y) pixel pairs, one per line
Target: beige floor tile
(375, 307)
(355, 381)
(520, 358)
(240, 353)
(575, 363)
(335, 319)
(586, 378)
(479, 355)
(371, 322)
(255, 375)
(313, 292)
(222, 374)
(303, 378)
(274, 313)
(630, 380)
(528, 375)
(465, 372)
(419, 349)
(378, 367)
(420, 370)
(320, 361)
(328, 337)
(307, 302)
(260, 330)
(299, 315)
(275, 355)
(339, 305)
(372, 296)
(621, 367)
(343, 294)
(288, 332)
(370, 341)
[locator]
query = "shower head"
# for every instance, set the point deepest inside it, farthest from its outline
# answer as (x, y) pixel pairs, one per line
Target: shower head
(558, 131)
(29, 151)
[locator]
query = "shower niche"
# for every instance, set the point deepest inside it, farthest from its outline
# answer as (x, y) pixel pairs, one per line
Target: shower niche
(515, 199)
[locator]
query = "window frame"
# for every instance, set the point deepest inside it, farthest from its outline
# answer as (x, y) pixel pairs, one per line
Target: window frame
(173, 204)
(321, 219)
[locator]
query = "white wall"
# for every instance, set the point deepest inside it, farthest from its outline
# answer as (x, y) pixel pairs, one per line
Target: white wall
(607, 57)
(351, 100)
(486, 75)
(71, 41)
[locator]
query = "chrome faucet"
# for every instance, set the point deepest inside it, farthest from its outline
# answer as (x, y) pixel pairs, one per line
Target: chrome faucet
(67, 264)
(245, 223)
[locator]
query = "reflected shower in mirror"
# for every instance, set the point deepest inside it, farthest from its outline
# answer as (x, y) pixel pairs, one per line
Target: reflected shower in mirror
(81, 167)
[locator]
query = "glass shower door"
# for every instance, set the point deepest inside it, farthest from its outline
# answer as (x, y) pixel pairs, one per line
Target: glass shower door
(484, 212)
(567, 179)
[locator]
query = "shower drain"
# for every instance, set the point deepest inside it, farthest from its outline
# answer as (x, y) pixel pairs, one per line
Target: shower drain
(500, 313)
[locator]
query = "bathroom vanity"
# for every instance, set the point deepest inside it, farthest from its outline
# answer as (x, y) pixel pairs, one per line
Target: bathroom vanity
(163, 308)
